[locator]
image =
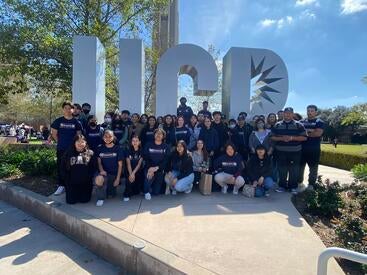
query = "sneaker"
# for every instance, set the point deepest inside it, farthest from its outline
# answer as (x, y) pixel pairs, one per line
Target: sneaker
(174, 192)
(267, 194)
(148, 197)
(99, 203)
(126, 199)
(294, 191)
(59, 190)
(280, 190)
(224, 189)
(168, 191)
(235, 190)
(188, 191)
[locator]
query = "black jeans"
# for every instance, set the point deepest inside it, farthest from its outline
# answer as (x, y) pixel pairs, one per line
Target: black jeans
(154, 185)
(78, 193)
(59, 155)
(288, 164)
(134, 188)
(312, 159)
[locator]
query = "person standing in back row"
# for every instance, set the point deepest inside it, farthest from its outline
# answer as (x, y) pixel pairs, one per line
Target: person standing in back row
(63, 131)
(311, 148)
(184, 110)
(288, 136)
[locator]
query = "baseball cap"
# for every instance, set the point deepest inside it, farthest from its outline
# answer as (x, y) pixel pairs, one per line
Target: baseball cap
(288, 109)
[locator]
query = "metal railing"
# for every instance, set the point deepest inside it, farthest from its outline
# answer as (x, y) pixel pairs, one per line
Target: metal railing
(340, 253)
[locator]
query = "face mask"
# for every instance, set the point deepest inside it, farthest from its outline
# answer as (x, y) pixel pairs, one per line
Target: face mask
(232, 126)
(261, 125)
(108, 120)
(93, 124)
(86, 111)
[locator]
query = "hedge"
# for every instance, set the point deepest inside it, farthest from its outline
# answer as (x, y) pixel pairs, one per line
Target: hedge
(341, 160)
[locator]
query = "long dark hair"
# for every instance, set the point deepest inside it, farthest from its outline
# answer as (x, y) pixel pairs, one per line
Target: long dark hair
(183, 143)
(131, 145)
(205, 152)
(147, 126)
(232, 145)
(164, 121)
(86, 154)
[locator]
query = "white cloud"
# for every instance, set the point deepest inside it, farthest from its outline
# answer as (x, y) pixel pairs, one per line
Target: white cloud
(353, 6)
(280, 23)
(303, 3)
(307, 14)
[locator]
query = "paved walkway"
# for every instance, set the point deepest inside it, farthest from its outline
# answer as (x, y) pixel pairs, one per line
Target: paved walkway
(225, 234)
(28, 246)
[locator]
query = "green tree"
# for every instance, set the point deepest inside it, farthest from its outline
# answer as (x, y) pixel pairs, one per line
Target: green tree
(356, 117)
(36, 40)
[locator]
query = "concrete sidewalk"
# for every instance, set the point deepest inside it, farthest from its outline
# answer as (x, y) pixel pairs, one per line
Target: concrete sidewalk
(28, 246)
(225, 234)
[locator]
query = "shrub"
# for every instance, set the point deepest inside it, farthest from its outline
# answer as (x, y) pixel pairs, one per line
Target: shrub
(325, 200)
(340, 160)
(7, 170)
(36, 161)
(360, 172)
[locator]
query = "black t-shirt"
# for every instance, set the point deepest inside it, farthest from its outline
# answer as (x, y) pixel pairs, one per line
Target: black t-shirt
(134, 157)
(66, 131)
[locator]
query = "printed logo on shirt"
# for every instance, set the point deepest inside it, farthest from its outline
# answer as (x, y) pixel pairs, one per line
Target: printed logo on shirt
(67, 126)
(93, 134)
(79, 160)
(107, 155)
(181, 132)
(157, 151)
(149, 133)
(229, 164)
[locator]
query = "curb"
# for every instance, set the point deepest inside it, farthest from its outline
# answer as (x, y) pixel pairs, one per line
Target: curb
(131, 253)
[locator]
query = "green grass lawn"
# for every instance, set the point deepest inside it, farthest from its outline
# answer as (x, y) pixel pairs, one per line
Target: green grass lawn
(360, 150)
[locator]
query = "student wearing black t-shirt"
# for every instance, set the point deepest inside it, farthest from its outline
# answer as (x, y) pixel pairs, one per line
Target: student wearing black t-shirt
(156, 155)
(63, 131)
(93, 133)
(110, 160)
(77, 169)
(147, 134)
(181, 131)
(134, 164)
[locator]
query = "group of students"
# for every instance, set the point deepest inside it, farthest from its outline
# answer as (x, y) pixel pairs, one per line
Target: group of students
(166, 155)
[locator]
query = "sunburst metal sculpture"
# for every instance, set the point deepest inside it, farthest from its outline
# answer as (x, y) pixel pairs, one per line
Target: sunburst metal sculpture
(260, 84)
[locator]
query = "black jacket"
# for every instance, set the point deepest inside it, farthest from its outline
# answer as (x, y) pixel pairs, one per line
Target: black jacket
(257, 168)
(182, 164)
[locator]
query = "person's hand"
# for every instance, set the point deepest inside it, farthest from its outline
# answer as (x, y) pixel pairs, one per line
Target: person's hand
(261, 180)
(287, 138)
(132, 177)
(150, 175)
(233, 179)
(254, 184)
(211, 153)
(103, 173)
(116, 182)
(174, 181)
(204, 170)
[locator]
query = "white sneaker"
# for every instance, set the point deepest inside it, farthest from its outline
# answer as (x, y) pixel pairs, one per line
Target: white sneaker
(148, 197)
(188, 191)
(235, 190)
(224, 189)
(99, 203)
(59, 190)
(126, 199)
(294, 191)
(174, 192)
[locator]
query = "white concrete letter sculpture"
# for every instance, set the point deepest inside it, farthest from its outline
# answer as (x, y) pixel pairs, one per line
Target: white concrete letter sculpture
(254, 80)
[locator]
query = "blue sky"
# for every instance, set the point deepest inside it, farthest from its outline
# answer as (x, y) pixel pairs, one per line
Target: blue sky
(322, 42)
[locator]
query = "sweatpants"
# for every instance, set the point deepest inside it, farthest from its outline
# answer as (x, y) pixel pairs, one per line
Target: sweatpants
(154, 185)
(134, 188)
(312, 159)
(288, 164)
(224, 179)
(107, 189)
(78, 193)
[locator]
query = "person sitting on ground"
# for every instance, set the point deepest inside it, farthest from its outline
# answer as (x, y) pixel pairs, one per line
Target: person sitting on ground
(180, 176)
(259, 171)
(110, 162)
(134, 165)
(155, 155)
(78, 166)
(229, 167)
(200, 158)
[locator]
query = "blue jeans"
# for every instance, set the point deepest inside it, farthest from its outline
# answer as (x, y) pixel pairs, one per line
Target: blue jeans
(185, 183)
(155, 184)
(268, 184)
